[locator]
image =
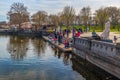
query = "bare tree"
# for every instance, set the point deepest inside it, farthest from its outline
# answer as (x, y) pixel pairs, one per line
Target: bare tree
(101, 16)
(114, 13)
(54, 19)
(84, 15)
(18, 14)
(68, 15)
(80, 20)
(39, 18)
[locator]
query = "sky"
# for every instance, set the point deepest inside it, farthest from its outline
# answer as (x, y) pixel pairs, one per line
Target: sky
(55, 6)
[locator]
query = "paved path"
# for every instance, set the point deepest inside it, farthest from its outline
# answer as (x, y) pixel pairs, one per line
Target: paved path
(89, 34)
(61, 46)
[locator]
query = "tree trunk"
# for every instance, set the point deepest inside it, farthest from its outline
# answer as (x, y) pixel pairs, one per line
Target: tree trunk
(19, 26)
(102, 27)
(118, 27)
(113, 26)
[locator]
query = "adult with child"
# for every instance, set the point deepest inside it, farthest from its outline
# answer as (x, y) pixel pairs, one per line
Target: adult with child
(66, 43)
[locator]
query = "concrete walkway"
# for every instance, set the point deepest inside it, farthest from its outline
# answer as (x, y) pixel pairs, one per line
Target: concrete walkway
(61, 46)
(89, 34)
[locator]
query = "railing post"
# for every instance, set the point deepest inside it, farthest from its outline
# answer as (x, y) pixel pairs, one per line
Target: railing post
(118, 48)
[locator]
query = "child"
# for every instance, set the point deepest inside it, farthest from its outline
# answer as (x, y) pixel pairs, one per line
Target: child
(115, 39)
(55, 39)
(65, 43)
(94, 33)
(78, 34)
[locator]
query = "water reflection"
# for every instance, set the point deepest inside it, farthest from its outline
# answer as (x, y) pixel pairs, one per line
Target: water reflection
(57, 52)
(17, 47)
(39, 46)
(66, 56)
(84, 68)
(90, 71)
(51, 63)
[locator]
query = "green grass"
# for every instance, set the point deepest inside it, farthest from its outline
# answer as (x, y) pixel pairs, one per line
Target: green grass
(117, 32)
(96, 28)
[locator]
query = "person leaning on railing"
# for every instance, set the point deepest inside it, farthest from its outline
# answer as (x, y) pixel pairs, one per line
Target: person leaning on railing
(94, 33)
(95, 36)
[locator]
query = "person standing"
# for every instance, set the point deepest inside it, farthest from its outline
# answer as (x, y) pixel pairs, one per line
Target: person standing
(73, 32)
(115, 39)
(59, 38)
(67, 32)
(78, 34)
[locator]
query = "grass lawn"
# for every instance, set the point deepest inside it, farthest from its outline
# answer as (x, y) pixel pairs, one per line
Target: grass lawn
(96, 28)
(117, 32)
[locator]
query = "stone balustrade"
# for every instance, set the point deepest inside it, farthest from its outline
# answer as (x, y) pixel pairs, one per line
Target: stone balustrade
(118, 49)
(103, 54)
(97, 47)
(81, 43)
(103, 48)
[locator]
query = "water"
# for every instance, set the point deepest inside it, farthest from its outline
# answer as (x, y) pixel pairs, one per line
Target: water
(34, 59)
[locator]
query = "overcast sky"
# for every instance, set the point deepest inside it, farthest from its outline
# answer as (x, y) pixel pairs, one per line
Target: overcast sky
(55, 6)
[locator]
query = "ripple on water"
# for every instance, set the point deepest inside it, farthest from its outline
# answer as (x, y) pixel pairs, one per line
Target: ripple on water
(36, 63)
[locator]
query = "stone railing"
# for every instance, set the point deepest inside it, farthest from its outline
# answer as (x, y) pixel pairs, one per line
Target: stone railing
(103, 54)
(97, 47)
(118, 49)
(103, 48)
(81, 43)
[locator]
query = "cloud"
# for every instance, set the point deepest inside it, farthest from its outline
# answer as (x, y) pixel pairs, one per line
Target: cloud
(55, 6)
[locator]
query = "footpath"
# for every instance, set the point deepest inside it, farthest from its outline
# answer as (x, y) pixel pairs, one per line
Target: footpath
(88, 34)
(61, 46)
(112, 34)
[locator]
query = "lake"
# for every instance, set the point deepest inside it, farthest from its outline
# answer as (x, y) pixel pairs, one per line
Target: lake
(24, 58)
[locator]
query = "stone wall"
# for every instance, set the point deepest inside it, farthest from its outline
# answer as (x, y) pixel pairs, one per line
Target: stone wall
(118, 49)
(103, 54)
(82, 43)
(103, 48)
(97, 47)
(104, 51)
